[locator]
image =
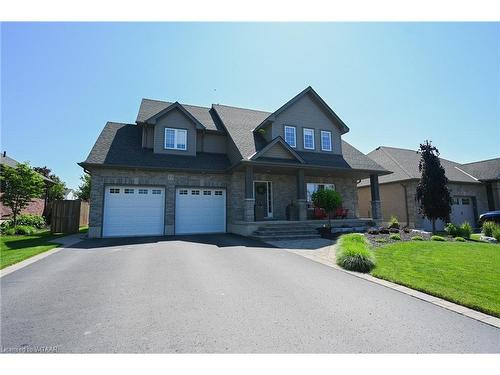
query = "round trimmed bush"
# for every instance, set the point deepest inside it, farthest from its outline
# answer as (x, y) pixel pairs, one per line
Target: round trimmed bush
(460, 239)
(417, 238)
(354, 254)
(395, 237)
(437, 238)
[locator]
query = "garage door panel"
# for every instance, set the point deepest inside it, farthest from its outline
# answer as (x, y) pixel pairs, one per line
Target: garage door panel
(133, 214)
(202, 212)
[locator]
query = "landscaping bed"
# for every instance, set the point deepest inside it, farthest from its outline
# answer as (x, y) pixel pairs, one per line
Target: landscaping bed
(381, 239)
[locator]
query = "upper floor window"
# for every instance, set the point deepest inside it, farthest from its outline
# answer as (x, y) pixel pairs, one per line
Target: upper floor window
(291, 135)
(175, 139)
(326, 140)
(309, 139)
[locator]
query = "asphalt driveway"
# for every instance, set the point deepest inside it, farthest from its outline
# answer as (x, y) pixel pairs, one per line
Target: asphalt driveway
(217, 294)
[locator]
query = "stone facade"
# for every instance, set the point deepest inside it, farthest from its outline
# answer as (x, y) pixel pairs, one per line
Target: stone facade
(239, 209)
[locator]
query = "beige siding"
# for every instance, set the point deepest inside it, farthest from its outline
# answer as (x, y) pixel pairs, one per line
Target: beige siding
(306, 113)
(174, 119)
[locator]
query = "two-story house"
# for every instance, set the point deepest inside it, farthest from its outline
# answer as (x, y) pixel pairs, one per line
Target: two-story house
(186, 169)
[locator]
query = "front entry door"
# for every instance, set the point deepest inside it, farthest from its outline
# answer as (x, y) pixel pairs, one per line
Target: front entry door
(263, 200)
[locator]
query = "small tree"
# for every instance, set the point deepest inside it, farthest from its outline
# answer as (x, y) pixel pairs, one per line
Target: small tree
(83, 191)
(327, 199)
(53, 190)
(432, 192)
(20, 185)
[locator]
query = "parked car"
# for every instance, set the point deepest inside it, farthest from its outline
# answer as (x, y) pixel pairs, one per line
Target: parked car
(490, 216)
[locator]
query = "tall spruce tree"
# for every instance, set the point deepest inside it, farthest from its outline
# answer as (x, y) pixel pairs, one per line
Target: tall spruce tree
(432, 191)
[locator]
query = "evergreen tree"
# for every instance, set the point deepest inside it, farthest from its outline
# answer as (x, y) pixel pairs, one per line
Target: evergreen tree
(432, 191)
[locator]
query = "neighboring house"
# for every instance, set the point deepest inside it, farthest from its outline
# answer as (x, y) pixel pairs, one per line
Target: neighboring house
(70, 195)
(398, 190)
(188, 169)
(36, 206)
(488, 172)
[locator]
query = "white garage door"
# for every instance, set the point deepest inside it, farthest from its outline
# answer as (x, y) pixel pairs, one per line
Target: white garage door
(462, 210)
(133, 211)
(200, 210)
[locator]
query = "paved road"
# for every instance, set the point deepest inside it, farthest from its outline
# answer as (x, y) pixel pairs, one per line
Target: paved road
(217, 294)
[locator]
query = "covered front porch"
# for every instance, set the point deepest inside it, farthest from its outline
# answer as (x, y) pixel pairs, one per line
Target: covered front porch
(283, 194)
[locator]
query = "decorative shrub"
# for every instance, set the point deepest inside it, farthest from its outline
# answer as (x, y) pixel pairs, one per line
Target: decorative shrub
(465, 230)
(395, 237)
(393, 222)
(417, 238)
(437, 238)
(8, 231)
(451, 229)
(24, 230)
(488, 228)
(36, 221)
(354, 254)
(496, 233)
(460, 239)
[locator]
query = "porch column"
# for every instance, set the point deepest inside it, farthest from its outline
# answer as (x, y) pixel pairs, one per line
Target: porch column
(301, 195)
(248, 209)
(375, 193)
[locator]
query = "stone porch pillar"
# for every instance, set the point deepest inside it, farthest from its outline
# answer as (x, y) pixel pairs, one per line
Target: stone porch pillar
(301, 195)
(375, 202)
(249, 205)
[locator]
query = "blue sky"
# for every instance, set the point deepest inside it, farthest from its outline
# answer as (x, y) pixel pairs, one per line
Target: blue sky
(393, 84)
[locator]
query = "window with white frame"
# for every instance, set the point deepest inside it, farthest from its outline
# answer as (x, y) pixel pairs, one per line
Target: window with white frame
(312, 187)
(308, 139)
(175, 139)
(326, 140)
(291, 135)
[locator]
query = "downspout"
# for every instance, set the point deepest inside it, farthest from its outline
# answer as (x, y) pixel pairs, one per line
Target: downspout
(406, 205)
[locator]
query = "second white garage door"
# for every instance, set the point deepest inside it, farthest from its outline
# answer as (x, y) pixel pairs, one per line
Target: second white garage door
(200, 210)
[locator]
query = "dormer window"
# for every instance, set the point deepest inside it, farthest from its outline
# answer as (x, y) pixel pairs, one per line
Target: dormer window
(175, 139)
(308, 139)
(326, 140)
(291, 135)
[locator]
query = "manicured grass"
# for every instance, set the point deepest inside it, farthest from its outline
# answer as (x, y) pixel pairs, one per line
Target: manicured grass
(14, 249)
(462, 272)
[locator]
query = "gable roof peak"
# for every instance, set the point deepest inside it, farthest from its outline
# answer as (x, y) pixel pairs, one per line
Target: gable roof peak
(308, 90)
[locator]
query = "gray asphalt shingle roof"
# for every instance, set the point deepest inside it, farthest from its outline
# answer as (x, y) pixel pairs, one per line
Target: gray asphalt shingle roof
(240, 122)
(484, 170)
(151, 107)
(404, 165)
(120, 145)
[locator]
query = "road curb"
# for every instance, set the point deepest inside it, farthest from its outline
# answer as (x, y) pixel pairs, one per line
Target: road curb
(459, 309)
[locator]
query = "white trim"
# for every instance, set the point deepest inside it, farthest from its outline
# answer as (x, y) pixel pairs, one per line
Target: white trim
(269, 188)
(176, 132)
(294, 135)
(321, 139)
(304, 138)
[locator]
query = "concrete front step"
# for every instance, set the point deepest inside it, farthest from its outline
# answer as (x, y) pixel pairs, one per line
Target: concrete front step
(284, 237)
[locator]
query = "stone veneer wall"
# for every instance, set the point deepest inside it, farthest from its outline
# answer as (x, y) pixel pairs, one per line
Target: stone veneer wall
(169, 180)
(284, 191)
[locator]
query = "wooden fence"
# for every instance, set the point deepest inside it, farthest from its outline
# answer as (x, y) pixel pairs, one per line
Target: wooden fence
(69, 215)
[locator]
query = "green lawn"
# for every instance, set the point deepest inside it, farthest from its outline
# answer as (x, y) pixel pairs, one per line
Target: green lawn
(467, 273)
(14, 249)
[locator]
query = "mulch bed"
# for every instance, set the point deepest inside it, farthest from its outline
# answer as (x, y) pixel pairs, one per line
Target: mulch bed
(404, 237)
